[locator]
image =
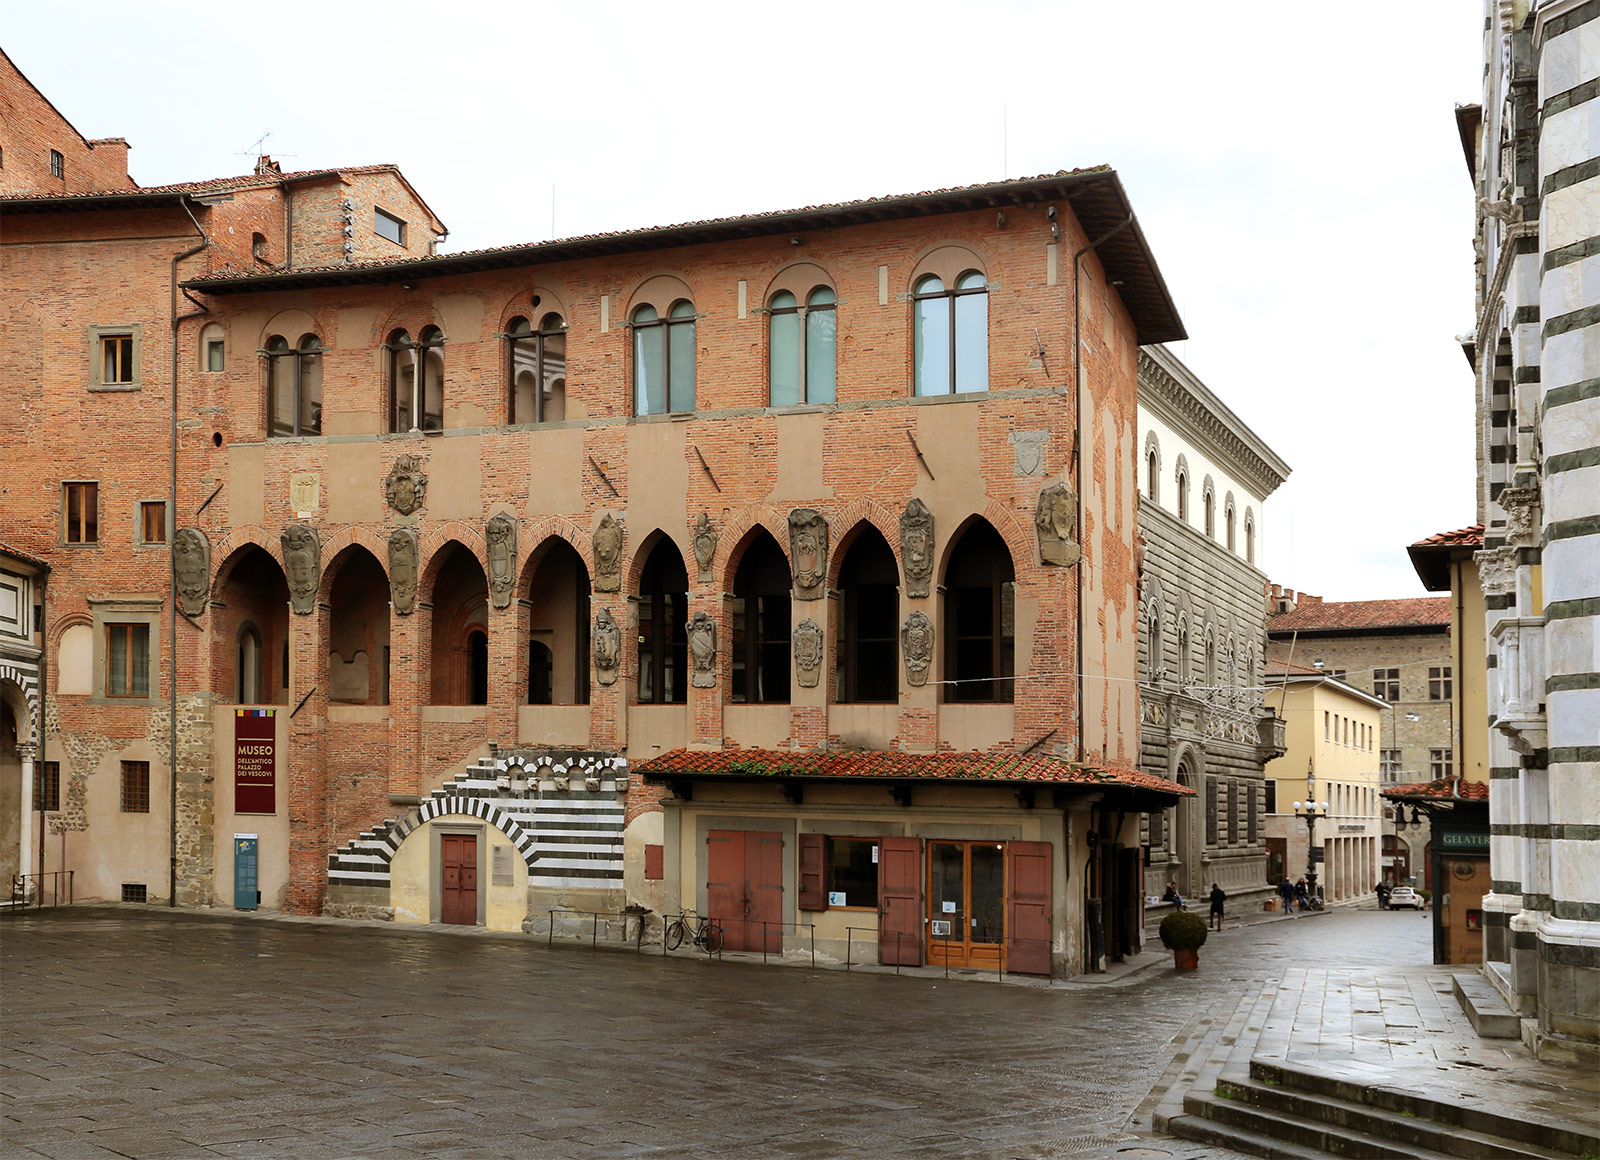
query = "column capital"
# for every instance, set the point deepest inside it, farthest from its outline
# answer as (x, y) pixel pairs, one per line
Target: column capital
(28, 750)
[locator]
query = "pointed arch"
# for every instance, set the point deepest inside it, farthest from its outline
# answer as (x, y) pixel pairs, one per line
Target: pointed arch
(979, 615)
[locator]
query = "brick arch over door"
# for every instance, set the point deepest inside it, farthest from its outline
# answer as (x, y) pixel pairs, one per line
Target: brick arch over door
(338, 545)
(737, 534)
(536, 537)
(435, 549)
(847, 524)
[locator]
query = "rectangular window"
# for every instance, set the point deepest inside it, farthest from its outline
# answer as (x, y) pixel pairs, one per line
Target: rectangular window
(1327, 728)
(1233, 810)
(116, 358)
(58, 164)
(1386, 684)
(1272, 796)
(1440, 763)
(386, 225)
(1389, 764)
(127, 660)
(47, 787)
(136, 787)
(134, 892)
(80, 509)
(1336, 674)
(153, 522)
(214, 355)
(1440, 680)
(853, 872)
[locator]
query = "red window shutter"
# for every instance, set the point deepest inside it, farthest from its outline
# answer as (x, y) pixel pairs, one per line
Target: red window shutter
(653, 859)
(813, 877)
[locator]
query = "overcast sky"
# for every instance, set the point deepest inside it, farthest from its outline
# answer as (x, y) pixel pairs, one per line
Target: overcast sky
(1295, 168)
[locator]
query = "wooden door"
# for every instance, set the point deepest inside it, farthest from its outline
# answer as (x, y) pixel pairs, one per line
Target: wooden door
(458, 856)
(1029, 880)
(744, 887)
(900, 901)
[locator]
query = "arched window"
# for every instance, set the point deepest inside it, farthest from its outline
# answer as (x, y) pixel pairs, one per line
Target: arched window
(1183, 651)
(663, 627)
(416, 380)
(537, 368)
(760, 648)
(1229, 519)
(1182, 480)
(951, 334)
(1153, 463)
(868, 648)
(980, 617)
(802, 348)
(294, 387)
(213, 348)
(1211, 658)
(430, 353)
(1209, 498)
(557, 596)
(663, 359)
(1157, 644)
(402, 381)
(248, 679)
(1249, 536)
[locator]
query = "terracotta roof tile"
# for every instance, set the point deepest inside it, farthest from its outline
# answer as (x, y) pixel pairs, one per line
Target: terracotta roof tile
(25, 557)
(1449, 788)
(884, 764)
(1464, 538)
(209, 185)
(1412, 612)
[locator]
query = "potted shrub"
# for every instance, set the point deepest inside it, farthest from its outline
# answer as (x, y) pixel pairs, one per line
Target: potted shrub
(1184, 934)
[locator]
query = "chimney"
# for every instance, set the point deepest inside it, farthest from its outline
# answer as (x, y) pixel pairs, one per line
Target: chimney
(265, 164)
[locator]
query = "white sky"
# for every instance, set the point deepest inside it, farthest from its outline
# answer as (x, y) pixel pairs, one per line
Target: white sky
(1294, 166)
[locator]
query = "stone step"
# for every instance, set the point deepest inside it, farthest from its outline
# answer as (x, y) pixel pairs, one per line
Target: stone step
(1238, 1139)
(1402, 1128)
(1556, 1139)
(1489, 1013)
(1241, 1125)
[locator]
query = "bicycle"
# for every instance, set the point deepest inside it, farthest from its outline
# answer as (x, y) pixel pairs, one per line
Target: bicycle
(702, 932)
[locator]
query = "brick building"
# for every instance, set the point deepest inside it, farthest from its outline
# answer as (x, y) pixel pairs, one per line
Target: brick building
(593, 572)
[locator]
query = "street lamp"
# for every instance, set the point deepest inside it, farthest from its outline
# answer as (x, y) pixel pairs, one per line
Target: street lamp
(1311, 812)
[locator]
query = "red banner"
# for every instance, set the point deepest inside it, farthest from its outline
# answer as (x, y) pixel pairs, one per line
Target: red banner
(255, 761)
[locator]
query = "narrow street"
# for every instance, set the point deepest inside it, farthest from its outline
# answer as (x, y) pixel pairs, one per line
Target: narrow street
(139, 1033)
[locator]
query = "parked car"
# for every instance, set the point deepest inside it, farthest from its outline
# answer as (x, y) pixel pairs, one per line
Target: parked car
(1404, 896)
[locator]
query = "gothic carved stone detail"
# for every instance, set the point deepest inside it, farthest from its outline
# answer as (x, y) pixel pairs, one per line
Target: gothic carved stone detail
(808, 653)
(916, 547)
(703, 650)
(191, 564)
(302, 559)
(607, 648)
(403, 556)
(1056, 520)
(808, 548)
(916, 642)
(1027, 451)
(406, 486)
(1497, 570)
(501, 532)
(705, 544)
(608, 555)
(1522, 510)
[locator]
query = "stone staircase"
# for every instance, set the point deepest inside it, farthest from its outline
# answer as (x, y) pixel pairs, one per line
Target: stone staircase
(563, 810)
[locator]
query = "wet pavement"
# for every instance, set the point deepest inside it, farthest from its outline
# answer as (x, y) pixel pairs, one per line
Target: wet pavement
(146, 1033)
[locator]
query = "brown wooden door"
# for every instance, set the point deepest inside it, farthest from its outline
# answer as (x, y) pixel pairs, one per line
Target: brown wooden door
(458, 855)
(1028, 880)
(744, 887)
(900, 901)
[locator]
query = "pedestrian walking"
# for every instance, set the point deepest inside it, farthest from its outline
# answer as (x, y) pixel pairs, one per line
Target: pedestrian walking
(1382, 891)
(1286, 892)
(1217, 899)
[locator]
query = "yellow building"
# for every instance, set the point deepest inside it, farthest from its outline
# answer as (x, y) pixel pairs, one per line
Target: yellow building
(1331, 761)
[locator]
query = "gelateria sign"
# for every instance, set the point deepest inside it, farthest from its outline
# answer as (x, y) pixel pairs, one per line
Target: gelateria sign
(255, 761)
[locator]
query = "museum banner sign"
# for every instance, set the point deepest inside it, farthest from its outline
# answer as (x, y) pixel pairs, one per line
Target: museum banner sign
(255, 761)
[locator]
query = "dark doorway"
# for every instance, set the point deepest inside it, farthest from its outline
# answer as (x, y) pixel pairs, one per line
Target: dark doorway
(663, 628)
(868, 648)
(980, 617)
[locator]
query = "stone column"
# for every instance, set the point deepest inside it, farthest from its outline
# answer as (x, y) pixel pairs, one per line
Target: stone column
(306, 765)
(28, 751)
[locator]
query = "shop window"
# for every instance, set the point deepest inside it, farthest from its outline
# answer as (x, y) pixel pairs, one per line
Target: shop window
(136, 787)
(663, 359)
(663, 627)
(853, 872)
(950, 326)
(980, 617)
(537, 370)
(802, 348)
(153, 522)
(867, 651)
(387, 225)
(294, 387)
(127, 660)
(760, 620)
(80, 513)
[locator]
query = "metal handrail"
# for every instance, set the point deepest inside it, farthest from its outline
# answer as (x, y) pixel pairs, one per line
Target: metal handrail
(597, 915)
(849, 943)
(19, 889)
(767, 924)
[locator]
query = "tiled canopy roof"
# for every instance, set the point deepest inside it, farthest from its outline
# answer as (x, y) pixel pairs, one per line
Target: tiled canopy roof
(25, 557)
(1445, 789)
(880, 765)
(1464, 538)
(1432, 557)
(1420, 612)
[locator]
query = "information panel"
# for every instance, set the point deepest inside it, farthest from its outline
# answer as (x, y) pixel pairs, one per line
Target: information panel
(255, 761)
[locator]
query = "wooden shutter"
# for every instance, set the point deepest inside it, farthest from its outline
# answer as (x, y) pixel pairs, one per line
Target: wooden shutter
(813, 876)
(1028, 882)
(900, 901)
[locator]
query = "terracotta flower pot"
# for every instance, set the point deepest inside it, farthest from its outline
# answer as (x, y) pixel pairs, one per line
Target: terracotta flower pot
(1186, 960)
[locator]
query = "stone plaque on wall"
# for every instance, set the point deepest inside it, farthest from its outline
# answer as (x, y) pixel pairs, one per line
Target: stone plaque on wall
(916, 642)
(501, 532)
(191, 564)
(705, 544)
(1027, 451)
(808, 548)
(305, 494)
(607, 648)
(302, 560)
(608, 555)
(403, 570)
(808, 653)
(1056, 520)
(406, 485)
(916, 547)
(703, 650)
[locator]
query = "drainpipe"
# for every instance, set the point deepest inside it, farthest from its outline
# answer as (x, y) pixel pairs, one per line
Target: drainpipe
(1077, 435)
(172, 583)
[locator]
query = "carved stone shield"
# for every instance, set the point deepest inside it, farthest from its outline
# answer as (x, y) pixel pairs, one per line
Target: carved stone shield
(1027, 451)
(1056, 520)
(403, 570)
(501, 532)
(607, 648)
(407, 485)
(705, 544)
(191, 564)
(916, 642)
(302, 558)
(916, 546)
(608, 555)
(808, 652)
(703, 650)
(808, 548)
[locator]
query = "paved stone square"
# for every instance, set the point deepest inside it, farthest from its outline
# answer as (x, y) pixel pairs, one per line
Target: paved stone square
(134, 1032)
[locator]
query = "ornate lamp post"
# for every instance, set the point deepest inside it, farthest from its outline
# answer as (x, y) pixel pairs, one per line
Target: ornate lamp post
(1311, 812)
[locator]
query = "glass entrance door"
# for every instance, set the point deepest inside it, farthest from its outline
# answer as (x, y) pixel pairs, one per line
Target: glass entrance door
(966, 904)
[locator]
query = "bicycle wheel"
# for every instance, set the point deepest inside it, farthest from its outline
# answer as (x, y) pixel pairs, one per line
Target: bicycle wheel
(712, 940)
(674, 935)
